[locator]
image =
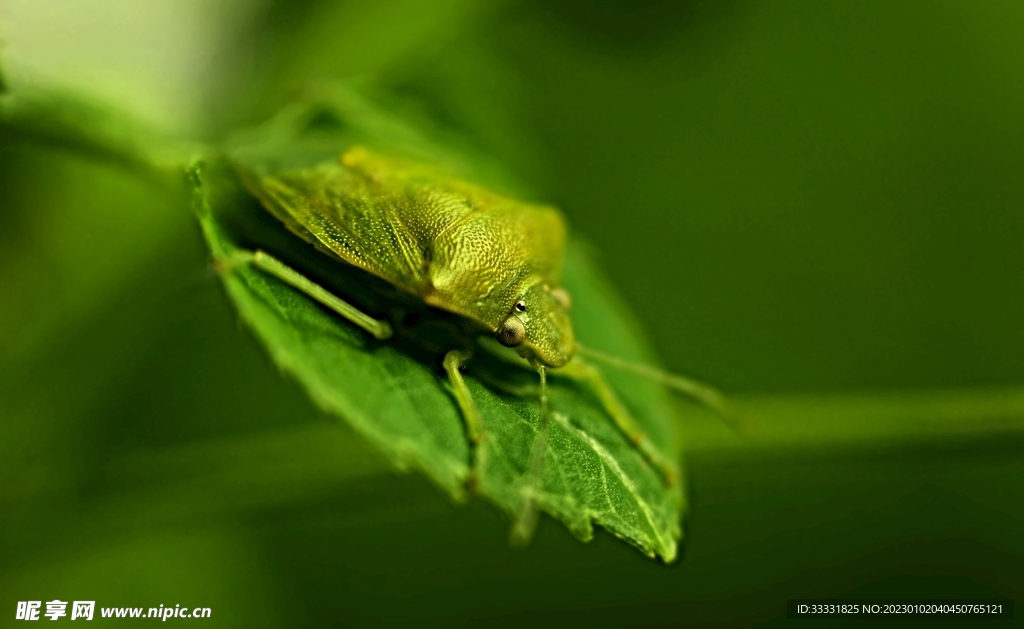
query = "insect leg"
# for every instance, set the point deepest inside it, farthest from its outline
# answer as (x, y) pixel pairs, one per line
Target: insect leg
(226, 259)
(584, 372)
(265, 262)
(526, 519)
(453, 361)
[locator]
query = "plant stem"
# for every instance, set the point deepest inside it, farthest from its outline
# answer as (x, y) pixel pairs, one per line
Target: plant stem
(893, 418)
(96, 132)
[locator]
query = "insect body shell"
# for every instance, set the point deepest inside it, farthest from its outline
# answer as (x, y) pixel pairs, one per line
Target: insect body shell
(455, 245)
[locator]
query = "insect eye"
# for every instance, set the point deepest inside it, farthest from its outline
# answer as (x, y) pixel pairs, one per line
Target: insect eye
(512, 332)
(520, 306)
(562, 297)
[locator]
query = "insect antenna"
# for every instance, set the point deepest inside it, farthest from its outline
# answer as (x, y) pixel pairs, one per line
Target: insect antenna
(703, 393)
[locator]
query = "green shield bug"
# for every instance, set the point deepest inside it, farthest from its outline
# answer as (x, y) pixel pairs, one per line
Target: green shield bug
(456, 247)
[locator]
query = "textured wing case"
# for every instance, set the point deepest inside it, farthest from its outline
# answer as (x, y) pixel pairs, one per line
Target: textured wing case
(456, 245)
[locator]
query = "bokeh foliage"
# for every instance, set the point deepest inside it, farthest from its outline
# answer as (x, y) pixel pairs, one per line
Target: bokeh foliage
(800, 202)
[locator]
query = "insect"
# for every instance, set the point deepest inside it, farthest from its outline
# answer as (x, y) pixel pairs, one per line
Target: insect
(457, 247)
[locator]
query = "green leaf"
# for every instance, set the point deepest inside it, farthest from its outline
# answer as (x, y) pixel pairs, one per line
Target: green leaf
(97, 131)
(582, 470)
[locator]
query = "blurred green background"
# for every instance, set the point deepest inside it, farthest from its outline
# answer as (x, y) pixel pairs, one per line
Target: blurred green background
(816, 206)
